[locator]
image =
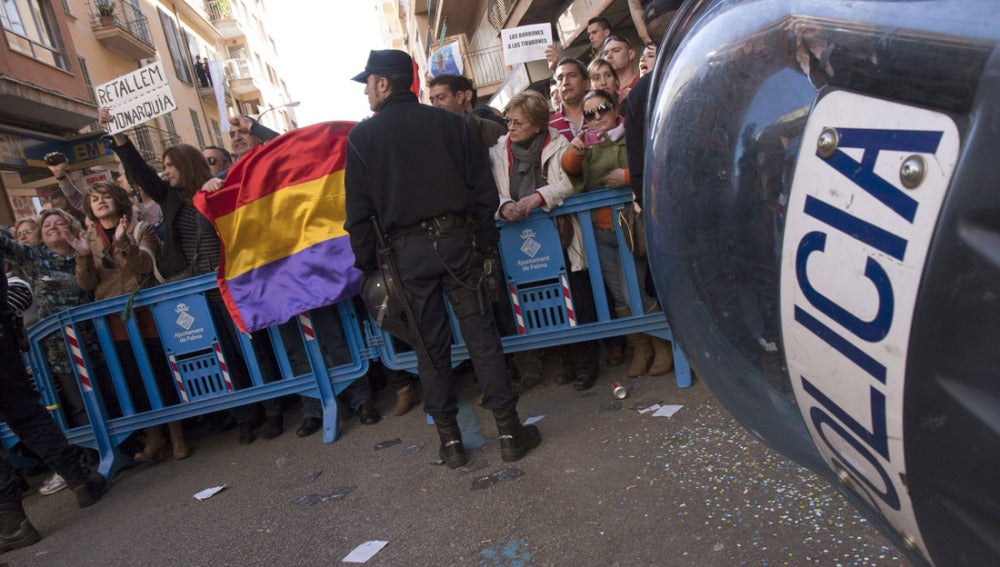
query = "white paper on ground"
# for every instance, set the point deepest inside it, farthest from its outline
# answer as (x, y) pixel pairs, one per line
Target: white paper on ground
(209, 492)
(365, 551)
(667, 411)
(653, 407)
(533, 419)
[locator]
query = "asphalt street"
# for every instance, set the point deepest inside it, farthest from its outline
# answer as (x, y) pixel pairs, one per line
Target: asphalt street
(608, 486)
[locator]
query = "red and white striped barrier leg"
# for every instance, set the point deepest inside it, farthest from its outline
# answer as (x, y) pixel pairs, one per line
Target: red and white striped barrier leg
(570, 313)
(517, 310)
(77, 354)
(223, 367)
(177, 378)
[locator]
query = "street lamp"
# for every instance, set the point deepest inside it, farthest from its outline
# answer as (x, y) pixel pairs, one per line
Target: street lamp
(286, 105)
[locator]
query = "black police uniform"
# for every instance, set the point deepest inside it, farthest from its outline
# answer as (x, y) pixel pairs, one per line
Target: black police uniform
(421, 173)
(22, 409)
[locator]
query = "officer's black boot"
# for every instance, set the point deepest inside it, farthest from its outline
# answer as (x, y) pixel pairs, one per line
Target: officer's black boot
(15, 529)
(515, 439)
(87, 485)
(452, 452)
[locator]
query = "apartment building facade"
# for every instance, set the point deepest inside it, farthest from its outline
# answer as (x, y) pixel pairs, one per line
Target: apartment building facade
(422, 27)
(55, 51)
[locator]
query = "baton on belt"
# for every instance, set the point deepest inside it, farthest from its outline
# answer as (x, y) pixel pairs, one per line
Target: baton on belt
(394, 287)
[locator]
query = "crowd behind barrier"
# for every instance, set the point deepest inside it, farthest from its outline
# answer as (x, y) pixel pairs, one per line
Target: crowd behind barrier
(190, 338)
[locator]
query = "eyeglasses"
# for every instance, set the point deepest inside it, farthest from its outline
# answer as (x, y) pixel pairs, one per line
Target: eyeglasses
(602, 109)
(511, 123)
(23, 233)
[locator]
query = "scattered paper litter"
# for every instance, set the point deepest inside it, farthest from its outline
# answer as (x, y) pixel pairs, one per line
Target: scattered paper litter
(533, 419)
(365, 551)
(666, 411)
(209, 492)
(653, 407)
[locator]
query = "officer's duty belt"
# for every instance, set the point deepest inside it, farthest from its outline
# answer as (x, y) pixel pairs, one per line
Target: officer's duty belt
(436, 225)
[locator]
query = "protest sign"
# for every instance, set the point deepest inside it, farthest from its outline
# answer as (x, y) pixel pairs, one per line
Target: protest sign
(136, 97)
(525, 43)
(95, 178)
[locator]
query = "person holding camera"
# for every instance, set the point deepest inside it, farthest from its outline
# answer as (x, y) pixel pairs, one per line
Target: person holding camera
(596, 160)
(70, 198)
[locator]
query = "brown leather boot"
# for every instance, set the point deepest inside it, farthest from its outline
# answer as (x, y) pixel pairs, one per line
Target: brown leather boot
(156, 448)
(181, 450)
(663, 357)
(642, 354)
(405, 399)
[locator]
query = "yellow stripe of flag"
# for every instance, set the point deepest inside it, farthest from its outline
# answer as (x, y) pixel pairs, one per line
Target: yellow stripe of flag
(283, 223)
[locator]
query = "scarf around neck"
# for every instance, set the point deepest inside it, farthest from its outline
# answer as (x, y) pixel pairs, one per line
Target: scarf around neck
(526, 169)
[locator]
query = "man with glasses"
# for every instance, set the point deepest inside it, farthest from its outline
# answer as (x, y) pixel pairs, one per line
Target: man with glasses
(618, 51)
(572, 81)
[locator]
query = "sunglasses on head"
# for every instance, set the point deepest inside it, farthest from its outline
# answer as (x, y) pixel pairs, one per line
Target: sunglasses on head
(613, 37)
(602, 109)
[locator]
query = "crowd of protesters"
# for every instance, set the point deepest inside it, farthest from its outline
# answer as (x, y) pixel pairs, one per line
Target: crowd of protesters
(142, 229)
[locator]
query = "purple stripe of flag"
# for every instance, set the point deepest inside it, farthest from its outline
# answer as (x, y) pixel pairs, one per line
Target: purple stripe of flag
(319, 275)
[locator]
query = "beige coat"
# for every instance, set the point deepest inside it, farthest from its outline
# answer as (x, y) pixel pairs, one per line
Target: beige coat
(555, 192)
(133, 256)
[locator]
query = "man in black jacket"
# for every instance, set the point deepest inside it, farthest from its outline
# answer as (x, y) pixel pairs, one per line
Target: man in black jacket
(417, 171)
(25, 415)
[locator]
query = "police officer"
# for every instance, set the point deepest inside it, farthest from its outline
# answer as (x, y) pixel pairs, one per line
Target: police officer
(25, 415)
(417, 170)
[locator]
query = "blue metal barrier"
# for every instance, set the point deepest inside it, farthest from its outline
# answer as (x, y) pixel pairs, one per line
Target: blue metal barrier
(191, 341)
(547, 323)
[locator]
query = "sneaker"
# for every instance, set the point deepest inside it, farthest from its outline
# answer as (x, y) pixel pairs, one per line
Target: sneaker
(53, 484)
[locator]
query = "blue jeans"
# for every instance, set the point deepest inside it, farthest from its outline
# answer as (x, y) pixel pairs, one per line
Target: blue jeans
(614, 273)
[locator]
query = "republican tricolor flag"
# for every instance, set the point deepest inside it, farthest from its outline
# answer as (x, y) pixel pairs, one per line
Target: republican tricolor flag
(280, 216)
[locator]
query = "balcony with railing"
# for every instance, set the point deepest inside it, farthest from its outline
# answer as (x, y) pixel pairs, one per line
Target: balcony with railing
(225, 18)
(241, 79)
(487, 66)
(122, 28)
(207, 93)
(152, 141)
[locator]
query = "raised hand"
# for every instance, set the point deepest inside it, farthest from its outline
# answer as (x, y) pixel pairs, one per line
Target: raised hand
(79, 242)
(122, 228)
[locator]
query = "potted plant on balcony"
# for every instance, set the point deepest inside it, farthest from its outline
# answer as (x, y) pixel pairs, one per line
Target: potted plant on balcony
(106, 12)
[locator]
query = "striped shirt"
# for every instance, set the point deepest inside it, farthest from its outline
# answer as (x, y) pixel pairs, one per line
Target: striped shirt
(562, 124)
(19, 296)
